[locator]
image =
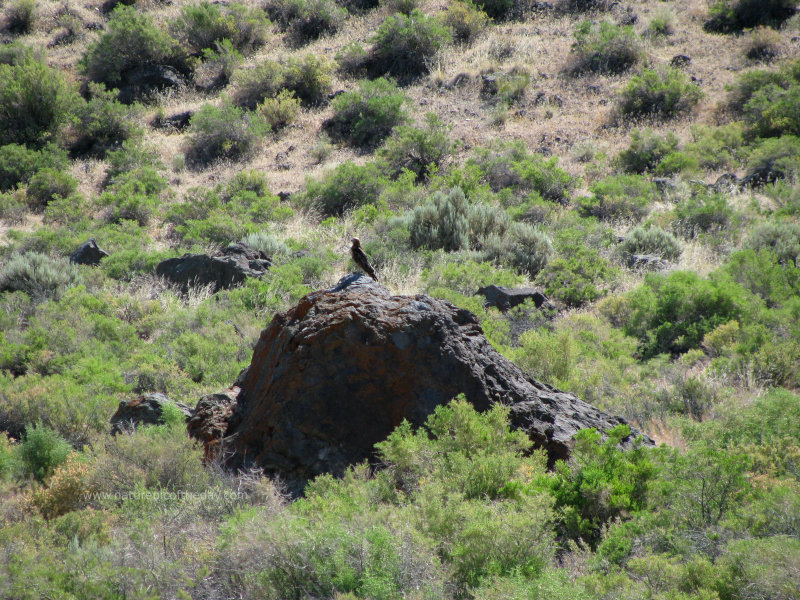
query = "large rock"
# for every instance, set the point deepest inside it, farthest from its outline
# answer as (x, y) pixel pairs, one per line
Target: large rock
(337, 373)
(88, 253)
(237, 263)
(140, 82)
(505, 298)
(144, 410)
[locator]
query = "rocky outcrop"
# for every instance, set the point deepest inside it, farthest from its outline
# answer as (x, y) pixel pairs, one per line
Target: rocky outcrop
(88, 253)
(141, 81)
(648, 262)
(237, 263)
(505, 298)
(144, 410)
(338, 372)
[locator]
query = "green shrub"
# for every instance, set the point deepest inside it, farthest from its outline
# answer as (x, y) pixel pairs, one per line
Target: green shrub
(419, 150)
(703, 213)
(773, 110)
(763, 45)
(717, 147)
(399, 6)
(762, 272)
(775, 159)
(217, 66)
(266, 243)
(510, 165)
(605, 47)
(582, 277)
(404, 45)
(308, 77)
(306, 20)
(780, 237)
(134, 196)
(500, 10)
(662, 24)
(42, 451)
(465, 20)
(17, 53)
(664, 94)
(485, 221)
(35, 103)
(48, 183)
(365, 117)
(649, 240)
(441, 223)
(672, 313)
(131, 40)
(619, 197)
(204, 26)
(728, 16)
(225, 132)
(524, 247)
(102, 123)
(18, 163)
(13, 207)
(20, 17)
(601, 482)
(647, 150)
(752, 82)
(281, 110)
(37, 275)
(346, 187)
(131, 156)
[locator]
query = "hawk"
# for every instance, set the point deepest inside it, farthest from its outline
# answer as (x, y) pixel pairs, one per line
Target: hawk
(361, 259)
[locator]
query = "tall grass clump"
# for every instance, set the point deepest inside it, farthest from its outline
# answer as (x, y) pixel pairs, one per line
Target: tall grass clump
(42, 451)
(649, 240)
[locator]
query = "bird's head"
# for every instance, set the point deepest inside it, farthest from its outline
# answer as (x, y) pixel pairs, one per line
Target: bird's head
(356, 242)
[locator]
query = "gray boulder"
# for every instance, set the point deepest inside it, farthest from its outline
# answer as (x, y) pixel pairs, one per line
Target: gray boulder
(236, 263)
(88, 253)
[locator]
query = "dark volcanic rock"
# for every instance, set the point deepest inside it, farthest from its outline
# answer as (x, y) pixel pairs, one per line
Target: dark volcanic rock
(140, 82)
(144, 410)
(337, 373)
(648, 262)
(88, 253)
(237, 263)
(177, 122)
(209, 419)
(505, 298)
(680, 60)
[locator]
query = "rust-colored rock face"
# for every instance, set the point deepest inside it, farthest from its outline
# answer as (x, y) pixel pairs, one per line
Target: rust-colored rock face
(334, 375)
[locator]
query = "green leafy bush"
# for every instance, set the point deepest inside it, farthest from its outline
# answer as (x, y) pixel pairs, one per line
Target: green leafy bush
(728, 16)
(619, 197)
(281, 110)
(225, 132)
(763, 272)
(102, 123)
(49, 183)
(775, 159)
(131, 40)
(780, 237)
(663, 94)
(441, 223)
(19, 17)
(647, 150)
(752, 82)
(582, 277)
(500, 10)
(718, 147)
(306, 20)
(672, 313)
(524, 247)
(510, 165)
(601, 482)
(465, 20)
(366, 116)
(18, 163)
(217, 66)
(649, 240)
(605, 47)
(773, 110)
(404, 45)
(35, 103)
(134, 196)
(37, 275)
(42, 451)
(309, 78)
(703, 213)
(419, 150)
(346, 187)
(204, 26)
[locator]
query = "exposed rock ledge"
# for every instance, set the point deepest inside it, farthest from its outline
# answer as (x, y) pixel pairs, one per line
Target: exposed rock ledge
(335, 374)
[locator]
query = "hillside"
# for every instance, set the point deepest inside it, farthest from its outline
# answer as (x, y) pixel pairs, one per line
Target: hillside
(637, 161)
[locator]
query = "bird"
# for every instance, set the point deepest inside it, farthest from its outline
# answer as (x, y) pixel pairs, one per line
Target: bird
(361, 259)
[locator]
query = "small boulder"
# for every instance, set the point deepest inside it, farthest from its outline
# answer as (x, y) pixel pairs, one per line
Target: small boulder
(144, 410)
(727, 182)
(647, 262)
(140, 82)
(88, 253)
(176, 122)
(237, 263)
(680, 61)
(505, 298)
